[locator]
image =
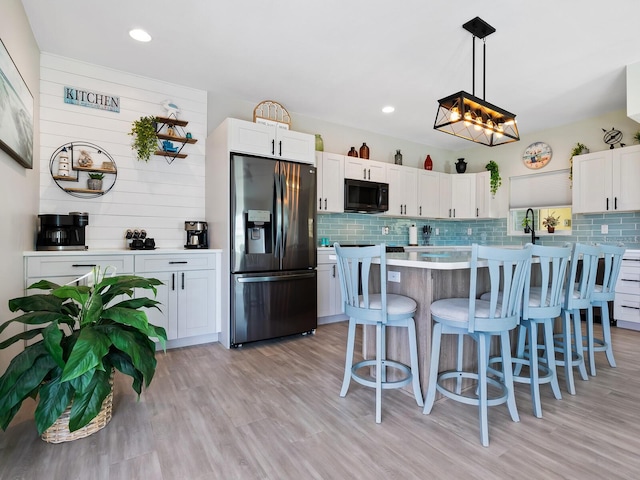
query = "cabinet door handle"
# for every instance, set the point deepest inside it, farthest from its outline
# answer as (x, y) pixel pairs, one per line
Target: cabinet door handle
(364, 173)
(325, 203)
(629, 306)
(173, 281)
(182, 280)
(420, 210)
(90, 265)
(273, 146)
(615, 203)
(280, 145)
(369, 172)
(449, 213)
(477, 212)
(177, 262)
(607, 203)
(334, 271)
(319, 204)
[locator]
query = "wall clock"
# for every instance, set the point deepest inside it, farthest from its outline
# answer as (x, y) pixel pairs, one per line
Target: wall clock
(537, 155)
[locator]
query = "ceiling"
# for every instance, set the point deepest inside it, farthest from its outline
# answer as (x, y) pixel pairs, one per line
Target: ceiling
(550, 62)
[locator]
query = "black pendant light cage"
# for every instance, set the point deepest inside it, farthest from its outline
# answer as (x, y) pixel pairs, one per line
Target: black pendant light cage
(466, 116)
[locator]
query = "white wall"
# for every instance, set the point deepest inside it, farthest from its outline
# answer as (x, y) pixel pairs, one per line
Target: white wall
(18, 186)
(155, 196)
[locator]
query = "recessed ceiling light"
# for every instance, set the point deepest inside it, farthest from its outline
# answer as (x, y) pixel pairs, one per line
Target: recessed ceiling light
(388, 109)
(140, 35)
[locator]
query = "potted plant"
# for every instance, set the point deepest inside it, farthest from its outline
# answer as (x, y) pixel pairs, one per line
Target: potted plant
(144, 137)
(85, 332)
(636, 136)
(550, 222)
(526, 224)
(496, 180)
(95, 181)
(578, 149)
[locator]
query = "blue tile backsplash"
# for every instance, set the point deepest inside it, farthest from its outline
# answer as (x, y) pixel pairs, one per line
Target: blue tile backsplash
(355, 228)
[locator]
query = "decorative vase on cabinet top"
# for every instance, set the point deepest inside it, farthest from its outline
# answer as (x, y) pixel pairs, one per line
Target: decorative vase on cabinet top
(398, 157)
(428, 163)
(364, 151)
(352, 152)
(461, 166)
(319, 143)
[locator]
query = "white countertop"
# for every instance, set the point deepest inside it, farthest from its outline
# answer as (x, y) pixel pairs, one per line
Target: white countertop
(122, 251)
(437, 258)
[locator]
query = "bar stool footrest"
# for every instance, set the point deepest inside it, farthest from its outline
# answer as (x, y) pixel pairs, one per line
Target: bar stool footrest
(459, 397)
(371, 382)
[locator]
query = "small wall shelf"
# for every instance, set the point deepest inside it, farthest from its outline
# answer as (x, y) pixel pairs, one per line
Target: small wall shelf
(165, 125)
(99, 161)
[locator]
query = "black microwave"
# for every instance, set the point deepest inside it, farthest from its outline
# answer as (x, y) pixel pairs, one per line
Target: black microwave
(365, 197)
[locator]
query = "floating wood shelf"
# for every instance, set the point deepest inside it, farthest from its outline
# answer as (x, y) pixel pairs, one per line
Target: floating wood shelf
(162, 136)
(93, 169)
(65, 179)
(172, 121)
(171, 154)
(82, 190)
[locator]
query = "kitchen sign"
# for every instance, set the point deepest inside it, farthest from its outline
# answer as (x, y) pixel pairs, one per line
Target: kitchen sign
(90, 99)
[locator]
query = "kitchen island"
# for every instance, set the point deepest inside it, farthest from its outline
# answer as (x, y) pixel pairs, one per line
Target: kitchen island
(426, 277)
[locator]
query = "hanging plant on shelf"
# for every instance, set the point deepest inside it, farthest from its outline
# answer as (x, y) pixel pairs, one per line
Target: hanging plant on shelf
(144, 137)
(496, 179)
(579, 149)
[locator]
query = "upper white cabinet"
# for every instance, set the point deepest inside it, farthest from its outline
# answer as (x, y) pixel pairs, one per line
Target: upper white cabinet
(607, 181)
(458, 196)
(330, 186)
(270, 141)
(369, 170)
(429, 193)
(487, 205)
(403, 191)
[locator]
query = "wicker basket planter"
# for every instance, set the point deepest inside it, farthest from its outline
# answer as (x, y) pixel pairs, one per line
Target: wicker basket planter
(59, 431)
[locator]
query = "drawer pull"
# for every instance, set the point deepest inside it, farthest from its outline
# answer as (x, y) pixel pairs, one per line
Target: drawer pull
(629, 280)
(629, 306)
(176, 262)
(630, 260)
(90, 265)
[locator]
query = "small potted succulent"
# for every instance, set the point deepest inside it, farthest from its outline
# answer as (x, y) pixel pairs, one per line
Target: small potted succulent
(550, 222)
(526, 224)
(95, 181)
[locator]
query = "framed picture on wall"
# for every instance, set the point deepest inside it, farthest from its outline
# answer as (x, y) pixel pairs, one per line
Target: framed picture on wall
(16, 112)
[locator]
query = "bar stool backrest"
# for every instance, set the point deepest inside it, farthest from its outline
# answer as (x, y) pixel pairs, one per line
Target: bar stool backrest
(354, 268)
(508, 269)
(581, 281)
(552, 263)
(612, 256)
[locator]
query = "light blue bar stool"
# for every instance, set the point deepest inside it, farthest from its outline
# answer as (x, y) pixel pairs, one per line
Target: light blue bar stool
(602, 295)
(579, 289)
(481, 320)
(381, 310)
(542, 305)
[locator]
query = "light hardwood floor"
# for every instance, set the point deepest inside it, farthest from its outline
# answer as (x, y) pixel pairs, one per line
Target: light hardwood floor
(271, 411)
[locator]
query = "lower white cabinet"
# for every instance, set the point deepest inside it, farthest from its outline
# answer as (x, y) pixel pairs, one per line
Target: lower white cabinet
(626, 306)
(188, 295)
(329, 294)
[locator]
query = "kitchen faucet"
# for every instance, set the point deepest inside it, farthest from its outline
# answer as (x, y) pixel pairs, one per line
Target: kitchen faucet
(533, 231)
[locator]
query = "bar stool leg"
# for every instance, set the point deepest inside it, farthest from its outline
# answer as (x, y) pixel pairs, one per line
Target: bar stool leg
(380, 370)
(348, 363)
(566, 347)
(534, 373)
(483, 352)
(606, 333)
(551, 358)
(433, 369)
(507, 368)
(413, 353)
(577, 331)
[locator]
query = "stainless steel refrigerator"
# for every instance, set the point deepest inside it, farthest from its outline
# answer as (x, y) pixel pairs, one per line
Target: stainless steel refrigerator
(273, 248)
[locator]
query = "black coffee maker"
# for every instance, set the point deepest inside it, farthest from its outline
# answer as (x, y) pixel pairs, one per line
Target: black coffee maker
(62, 232)
(196, 234)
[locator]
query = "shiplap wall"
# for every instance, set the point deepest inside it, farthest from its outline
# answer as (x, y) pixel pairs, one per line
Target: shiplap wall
(155, 196)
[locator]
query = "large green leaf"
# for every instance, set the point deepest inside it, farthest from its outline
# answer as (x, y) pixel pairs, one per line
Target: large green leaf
(23, 384)
(137, 346)
(86, 405)
(55, 397)
(43, 285)
(81, 383)
(87, 353)
(36, 302)
(19, 365)
(53, 343)
(7, 415)
(24, 335)
(125, 285)
(122, 362)
(92, 310)
(79, 293)
(139, 302)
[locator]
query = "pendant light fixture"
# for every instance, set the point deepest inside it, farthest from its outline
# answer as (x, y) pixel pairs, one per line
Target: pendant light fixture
(467, 116)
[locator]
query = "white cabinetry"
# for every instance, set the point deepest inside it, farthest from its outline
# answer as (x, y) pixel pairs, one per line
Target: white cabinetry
(626, 307)
(429, 193)
(360, 169)
(458, 196)
(403, 191)
(487, 205)
(607, 181)
(330, 186)
(188, 294)
(270, 141)
(329, 294)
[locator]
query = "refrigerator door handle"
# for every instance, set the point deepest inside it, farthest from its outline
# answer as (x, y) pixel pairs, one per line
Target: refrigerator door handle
(275, 278)
(278, 213)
